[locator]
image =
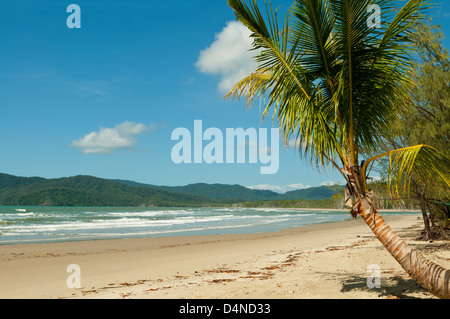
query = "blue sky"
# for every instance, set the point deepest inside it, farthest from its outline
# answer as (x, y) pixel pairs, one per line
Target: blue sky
(135, 71)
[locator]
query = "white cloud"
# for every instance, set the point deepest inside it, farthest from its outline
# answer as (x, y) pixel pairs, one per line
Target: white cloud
(280, 189)
(229, 56)
(332, 183)
(109, 140)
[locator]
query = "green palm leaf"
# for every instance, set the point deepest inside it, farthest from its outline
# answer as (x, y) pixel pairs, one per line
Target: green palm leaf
(423, 163)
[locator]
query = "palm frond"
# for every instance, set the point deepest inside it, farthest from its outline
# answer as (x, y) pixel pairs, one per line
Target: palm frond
(300, 105)
(422, 162)
(270, 40)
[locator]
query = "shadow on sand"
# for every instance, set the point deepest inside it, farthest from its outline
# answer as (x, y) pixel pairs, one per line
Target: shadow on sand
(392, 287)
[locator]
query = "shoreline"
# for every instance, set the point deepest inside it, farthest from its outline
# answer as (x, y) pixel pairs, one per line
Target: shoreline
(348, 210)
(168, 207)
(325, 261)
(185, 233)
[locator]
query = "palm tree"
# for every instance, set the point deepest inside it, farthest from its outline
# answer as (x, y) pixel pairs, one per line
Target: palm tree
(331, 79)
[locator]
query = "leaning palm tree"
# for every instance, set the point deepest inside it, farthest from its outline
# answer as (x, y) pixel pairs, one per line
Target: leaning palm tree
(331, 73)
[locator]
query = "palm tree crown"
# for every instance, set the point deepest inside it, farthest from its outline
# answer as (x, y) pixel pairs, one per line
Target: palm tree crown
(332, 78)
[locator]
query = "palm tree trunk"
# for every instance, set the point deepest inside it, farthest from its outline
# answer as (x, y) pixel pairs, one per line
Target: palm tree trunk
(429, 275)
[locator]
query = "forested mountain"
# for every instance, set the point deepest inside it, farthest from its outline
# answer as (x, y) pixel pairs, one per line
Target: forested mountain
(233, 192)
(93, 191)
(222, 191)
(313, 193)
(87, 191)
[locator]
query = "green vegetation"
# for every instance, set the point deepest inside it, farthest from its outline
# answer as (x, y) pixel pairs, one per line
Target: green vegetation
(91, 191)
(223, 192)
(238, 192)
(87, 191)
(315, 193)
(426, 119)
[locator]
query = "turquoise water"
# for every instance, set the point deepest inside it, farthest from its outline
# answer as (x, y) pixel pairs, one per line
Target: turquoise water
(57, 224)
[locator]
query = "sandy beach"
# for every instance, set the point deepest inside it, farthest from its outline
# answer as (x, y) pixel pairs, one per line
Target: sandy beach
(326, 261)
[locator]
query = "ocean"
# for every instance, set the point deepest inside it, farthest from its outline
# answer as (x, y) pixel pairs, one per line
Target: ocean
(20, 225)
